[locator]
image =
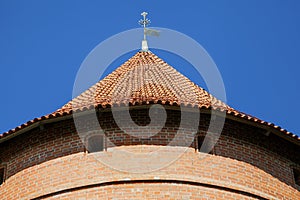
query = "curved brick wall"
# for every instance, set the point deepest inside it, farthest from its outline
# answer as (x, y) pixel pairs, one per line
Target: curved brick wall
(81, 172)
(151, 191)
(35, 159)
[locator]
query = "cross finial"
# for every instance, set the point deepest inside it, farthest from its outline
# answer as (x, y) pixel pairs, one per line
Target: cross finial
(144, 23)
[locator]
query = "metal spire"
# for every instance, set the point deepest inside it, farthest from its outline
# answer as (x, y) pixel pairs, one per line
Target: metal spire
(144, 23)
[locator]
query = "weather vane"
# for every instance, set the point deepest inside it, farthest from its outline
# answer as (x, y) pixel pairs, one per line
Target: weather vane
(144, 23)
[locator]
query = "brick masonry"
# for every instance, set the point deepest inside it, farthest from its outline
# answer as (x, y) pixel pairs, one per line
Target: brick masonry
(152, 191)
(52, 160)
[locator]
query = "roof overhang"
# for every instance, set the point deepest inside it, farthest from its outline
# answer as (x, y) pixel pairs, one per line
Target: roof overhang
(268, 127)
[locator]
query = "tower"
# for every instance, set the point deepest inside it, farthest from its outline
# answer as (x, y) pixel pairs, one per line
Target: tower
(55, 157)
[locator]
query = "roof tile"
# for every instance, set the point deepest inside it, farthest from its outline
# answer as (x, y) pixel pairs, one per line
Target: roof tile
(145, 79)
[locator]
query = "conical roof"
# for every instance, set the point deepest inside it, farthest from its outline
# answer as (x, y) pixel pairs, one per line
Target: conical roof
(147, 79)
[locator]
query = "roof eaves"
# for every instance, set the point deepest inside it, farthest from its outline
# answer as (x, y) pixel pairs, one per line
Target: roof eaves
(240, 117)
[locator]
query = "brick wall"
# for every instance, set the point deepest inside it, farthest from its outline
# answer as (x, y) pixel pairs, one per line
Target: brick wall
(270, 154)
(151, 191)
(78, 173)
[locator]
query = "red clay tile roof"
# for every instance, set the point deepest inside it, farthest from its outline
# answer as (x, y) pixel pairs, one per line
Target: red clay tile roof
(146, 79)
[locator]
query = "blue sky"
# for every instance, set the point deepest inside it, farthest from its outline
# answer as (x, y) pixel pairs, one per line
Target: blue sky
(254, 43)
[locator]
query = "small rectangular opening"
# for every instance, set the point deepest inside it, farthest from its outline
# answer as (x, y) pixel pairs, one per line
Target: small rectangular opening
(297, 176)
(95, 143)
(1, 175)
(204, 148)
